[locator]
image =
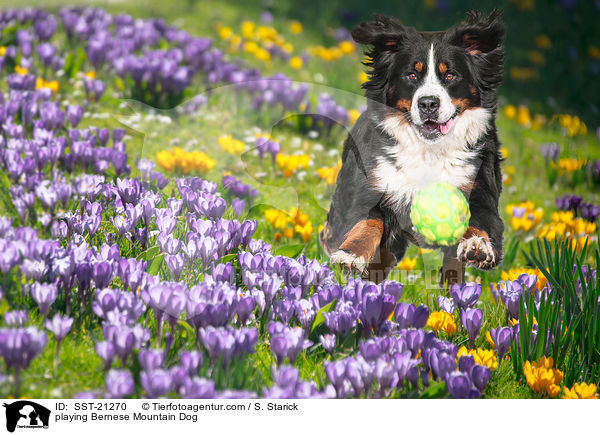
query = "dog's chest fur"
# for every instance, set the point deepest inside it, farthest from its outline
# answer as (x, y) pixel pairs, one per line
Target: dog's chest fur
(409, 163)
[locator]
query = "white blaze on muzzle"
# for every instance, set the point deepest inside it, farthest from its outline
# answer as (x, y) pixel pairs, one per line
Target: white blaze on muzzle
(432, 87)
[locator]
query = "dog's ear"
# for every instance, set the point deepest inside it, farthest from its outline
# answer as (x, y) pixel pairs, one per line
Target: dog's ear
(384, 33)
(481, 38)
(480, 35)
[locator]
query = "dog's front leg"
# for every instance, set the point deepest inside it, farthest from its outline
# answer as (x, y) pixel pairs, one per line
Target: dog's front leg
(453, 269)
(481, 245)
(360, 244)
(476, 249)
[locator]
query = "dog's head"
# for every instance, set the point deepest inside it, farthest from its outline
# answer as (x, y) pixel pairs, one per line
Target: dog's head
(429, 80)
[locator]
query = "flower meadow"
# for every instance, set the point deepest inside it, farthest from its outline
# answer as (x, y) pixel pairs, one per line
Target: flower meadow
(161, 196)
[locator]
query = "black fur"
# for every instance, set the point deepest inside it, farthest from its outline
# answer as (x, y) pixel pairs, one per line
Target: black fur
(473, 51)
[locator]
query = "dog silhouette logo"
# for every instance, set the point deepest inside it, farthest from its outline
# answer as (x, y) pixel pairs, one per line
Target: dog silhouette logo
(25, 414)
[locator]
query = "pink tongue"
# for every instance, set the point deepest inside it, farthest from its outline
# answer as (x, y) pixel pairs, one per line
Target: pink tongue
(445, 128)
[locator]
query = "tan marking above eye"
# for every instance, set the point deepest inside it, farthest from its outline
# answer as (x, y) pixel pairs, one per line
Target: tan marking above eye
(443, 67)
(419, 66)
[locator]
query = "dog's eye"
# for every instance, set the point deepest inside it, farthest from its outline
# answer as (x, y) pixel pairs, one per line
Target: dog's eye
(412, 76)
(449, 76)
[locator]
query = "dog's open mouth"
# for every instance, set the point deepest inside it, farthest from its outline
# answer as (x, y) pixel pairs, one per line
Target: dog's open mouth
(431, 130)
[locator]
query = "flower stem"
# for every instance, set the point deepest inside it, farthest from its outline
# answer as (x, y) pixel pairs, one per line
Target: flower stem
(56, 358)
(17, 382)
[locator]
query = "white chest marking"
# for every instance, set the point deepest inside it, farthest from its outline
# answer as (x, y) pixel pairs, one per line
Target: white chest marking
(412, 163)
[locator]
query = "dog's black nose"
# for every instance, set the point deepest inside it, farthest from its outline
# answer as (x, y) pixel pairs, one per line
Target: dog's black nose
(429, 105)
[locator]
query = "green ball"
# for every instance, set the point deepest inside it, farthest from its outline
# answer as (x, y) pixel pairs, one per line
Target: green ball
(440, 213)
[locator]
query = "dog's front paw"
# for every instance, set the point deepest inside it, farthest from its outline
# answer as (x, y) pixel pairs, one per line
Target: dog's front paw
(477, 251)
(349, 261)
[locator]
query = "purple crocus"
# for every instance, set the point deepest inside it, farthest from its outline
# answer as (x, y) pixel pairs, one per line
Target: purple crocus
(286, 342)
(465, 295)
(106, 352)
(59, 326)
(118, 384)
(550, 151)
(501, 338)
(510, 293)
(156, 383)
(129, 190)
(15, 317)
(480, 376)
(175, 263)
(18, 347)
(460, 387)
(190, 361)
(471, 319)
(407, 315)
(151, 359)
(342, 319)
(336, 374)
(328, 343)
(375, 308)
(74, 114)
(44, 295)
(446, 304)
(198, 388)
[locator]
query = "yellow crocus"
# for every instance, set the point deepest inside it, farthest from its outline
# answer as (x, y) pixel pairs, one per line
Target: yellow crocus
(21, 71)
(305, 231)
(407, 263)
(165, 160)
(440, 320)
(581, 391)
(523, 116)
(353, 115)
(484, 357)
(296, 62)
(225, 32)
(543, 42)
(277, 218)
(297, 217)
(510, 111)
(346, 47)
(230, 145)
(542, 377)
(53, 85)
(513, 273)
(329, 175)
(262, 54)
(295, 27)
(247, 29)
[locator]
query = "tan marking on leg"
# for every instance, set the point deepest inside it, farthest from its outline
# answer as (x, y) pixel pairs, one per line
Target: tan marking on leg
(472, 231)
(364, 238)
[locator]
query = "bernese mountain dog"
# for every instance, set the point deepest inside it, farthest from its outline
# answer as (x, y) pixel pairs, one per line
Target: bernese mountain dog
(430, 117)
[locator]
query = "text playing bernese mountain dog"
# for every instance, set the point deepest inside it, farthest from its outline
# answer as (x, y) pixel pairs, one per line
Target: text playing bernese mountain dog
(430, 118)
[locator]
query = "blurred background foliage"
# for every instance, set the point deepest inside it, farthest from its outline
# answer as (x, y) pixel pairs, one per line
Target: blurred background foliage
(552, 46)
